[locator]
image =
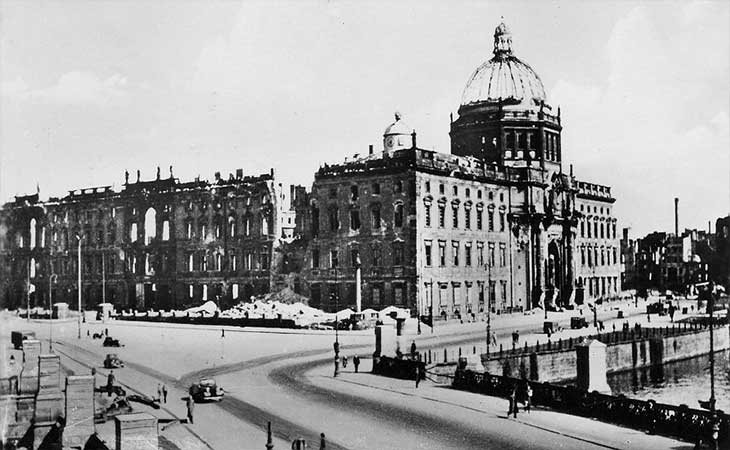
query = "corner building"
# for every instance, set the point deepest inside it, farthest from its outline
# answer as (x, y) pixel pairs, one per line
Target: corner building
(498, 221)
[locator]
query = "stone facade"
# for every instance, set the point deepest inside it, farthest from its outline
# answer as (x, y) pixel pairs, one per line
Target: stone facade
(154, 244)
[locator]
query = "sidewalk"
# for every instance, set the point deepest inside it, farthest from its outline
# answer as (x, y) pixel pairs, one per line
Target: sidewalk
(484, 411)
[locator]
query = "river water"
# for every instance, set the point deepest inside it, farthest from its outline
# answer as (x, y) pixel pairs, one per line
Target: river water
(682, 382)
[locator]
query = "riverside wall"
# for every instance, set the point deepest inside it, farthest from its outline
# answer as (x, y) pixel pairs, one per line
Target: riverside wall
(653, 348)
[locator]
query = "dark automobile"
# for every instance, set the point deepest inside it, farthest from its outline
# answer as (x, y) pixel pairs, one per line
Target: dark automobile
(577, 323)
(111, 342)
(206, 390)
(112, 361)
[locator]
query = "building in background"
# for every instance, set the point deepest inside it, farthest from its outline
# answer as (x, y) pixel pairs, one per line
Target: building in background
(155, 244)
(498, 220)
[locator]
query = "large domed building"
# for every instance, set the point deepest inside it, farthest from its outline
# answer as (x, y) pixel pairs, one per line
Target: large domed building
(496, 224)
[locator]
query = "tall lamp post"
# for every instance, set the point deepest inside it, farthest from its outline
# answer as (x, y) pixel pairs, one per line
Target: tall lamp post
(51, 279)
(489, 306)
(78, 238)
(27, 289)
(336, 345)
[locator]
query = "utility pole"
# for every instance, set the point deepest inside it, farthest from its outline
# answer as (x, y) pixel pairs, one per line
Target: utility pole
(336, 345)
(78, 237)
(103, 278)
(27, 290)
(51, 279)
(489, 306)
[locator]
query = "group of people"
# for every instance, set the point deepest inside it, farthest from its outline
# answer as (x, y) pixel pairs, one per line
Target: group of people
(514, 398)
(355, 362)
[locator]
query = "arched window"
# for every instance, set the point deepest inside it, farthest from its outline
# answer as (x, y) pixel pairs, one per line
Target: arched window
(33, 225)
(231, 227)
(398, 215)
(31, 267)
(133, 232)
(166, 230)
(150, 225)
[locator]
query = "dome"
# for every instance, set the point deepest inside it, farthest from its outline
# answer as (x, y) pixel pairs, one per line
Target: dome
(504, 77)
(397, 136)
(397, 127)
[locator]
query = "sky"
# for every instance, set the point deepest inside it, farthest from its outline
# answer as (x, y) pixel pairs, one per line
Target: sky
(91, 89)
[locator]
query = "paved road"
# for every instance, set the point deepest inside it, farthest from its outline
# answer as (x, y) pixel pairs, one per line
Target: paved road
(276, 388)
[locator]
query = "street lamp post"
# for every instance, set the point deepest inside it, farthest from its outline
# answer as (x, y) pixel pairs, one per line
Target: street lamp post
(489, 307)
(27, 290)
(337, 338)
(51, 279)
(78, 238)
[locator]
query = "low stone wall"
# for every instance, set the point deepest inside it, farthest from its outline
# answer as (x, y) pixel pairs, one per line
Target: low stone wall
(649, 347)
(215, 321)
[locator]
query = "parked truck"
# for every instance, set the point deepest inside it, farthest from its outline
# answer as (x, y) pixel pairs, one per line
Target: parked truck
(17, 338)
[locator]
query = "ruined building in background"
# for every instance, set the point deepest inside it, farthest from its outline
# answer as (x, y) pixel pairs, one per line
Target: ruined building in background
(498, 220)
(161, 243)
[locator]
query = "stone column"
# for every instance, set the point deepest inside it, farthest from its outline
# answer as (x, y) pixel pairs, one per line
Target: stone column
(79, 411)
(591, 366)
(48, 401)
(136, 432)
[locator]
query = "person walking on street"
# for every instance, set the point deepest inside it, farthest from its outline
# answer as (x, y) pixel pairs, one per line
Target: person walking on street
(344, 362)
(493, 338)
(110, 379)
(223, 332)
(419, 374)
(513, 402)
(164, 393)
(159, 392)
(190, 404)
(528, 401)
(106, 331)
(356, 362)
(516, 337)
(413, 349)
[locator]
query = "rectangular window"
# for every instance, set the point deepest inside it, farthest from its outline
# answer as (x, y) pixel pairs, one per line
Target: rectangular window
(203, 262)
(442, 254)
(234, 291)
(233, 263)
(189, 230)
(491, 220)
(456, 190)
(427, 210)
(354, 193)
(354, 257)
(502, 221)
(503, 293)
(428, 186)
(502, 255)
(315, 258)
(398, 253)
(442, 216)
(491, 254)
(334, 219)
(377, 255)
(467, 218)
(480, 253)
(398, 294)
(455, 216)
(376, 189)
(354, 219)
(376, 217)
(479, 218)
(376, 295)
(398, 186)
(467, 254)
(455, 250)
(334, 262)
(427, 251)
(132, 233)
(191, 266)
(492, 293)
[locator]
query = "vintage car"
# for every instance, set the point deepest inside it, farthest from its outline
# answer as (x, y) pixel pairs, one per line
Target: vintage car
(112, 361)
(110, 342)
(206, 390)
(578, 322)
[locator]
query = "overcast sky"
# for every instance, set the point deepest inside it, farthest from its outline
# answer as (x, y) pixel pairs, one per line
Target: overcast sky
(90, 89)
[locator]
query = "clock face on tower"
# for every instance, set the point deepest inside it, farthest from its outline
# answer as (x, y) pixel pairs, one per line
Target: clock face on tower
(389, 142)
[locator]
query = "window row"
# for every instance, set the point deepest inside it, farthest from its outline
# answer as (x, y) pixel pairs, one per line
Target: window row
(468, 297)
(454, 256)
(467, 192)
(467, 215)
(597, 229)
(598, 257)
(203, 261)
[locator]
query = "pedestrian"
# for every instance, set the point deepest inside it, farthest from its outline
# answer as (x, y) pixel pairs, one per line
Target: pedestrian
(88, 333)
(494, 338)
(164, 393)
(223, 333)
(413, 349)
(159, 392)
(106, 331)
(513, 402)
(356, 362)
(528, 402)
(344, 362)
(516, 337)
(110, 379)
(419, 374)
(190, 404)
